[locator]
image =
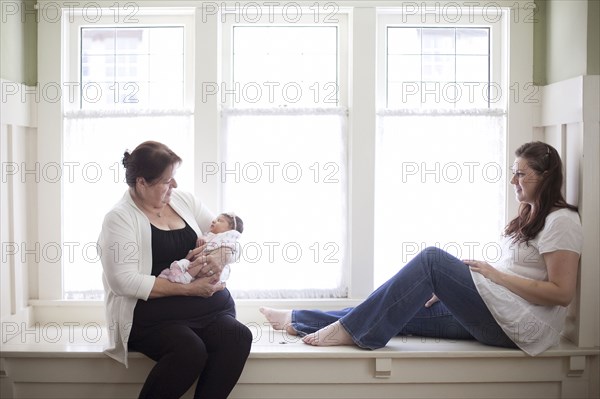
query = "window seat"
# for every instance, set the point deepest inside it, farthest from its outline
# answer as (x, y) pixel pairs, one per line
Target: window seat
(68, 362)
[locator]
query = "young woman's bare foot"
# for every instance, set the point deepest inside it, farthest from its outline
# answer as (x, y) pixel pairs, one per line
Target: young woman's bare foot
(279, 319)
(332, 335)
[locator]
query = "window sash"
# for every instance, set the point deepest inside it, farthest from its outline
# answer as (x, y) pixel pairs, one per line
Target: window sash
(325, 249)
(88, 139)
(440, 182)
(495, 19)
(98, 182)
(290, 189)
(74, 20)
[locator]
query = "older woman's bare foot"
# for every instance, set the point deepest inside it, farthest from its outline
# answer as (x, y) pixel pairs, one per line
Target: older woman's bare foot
(279, 319)
(332, 335)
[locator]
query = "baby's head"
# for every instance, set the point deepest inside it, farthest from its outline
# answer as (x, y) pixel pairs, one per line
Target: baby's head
(225, 222)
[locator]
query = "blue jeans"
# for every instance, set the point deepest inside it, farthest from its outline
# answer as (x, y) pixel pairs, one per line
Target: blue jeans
(397, 307)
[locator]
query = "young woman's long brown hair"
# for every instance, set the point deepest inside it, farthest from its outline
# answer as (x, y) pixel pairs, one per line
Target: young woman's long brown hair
(544, 160)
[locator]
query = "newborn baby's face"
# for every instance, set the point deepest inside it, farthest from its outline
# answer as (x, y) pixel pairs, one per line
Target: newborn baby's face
(219, 225)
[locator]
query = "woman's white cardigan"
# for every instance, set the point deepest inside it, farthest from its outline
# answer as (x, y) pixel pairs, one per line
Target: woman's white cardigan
(125, 248)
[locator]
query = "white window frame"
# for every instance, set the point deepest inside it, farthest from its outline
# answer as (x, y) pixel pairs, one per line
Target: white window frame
(72, 104)
(362, 23)
(310, 17)
(142, 18)
(314, 18)
(496, 20)
(498, 45)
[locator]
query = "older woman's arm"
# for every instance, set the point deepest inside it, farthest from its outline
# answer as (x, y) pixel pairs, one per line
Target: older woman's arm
(204, 287)
(120, 254)
(562, 266)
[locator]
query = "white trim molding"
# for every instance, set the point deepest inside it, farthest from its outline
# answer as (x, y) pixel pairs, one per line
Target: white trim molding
(568, 118)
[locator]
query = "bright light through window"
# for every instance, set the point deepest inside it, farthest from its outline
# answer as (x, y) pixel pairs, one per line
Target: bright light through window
(132, 90)
(438, 67)
(284, 143)
(285, 66)
(132, 67)
(440, 151)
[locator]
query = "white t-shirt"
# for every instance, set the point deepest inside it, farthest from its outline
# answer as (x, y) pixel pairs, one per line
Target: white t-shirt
(534, 328)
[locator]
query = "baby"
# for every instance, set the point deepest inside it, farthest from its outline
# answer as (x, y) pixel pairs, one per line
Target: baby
(225, 231)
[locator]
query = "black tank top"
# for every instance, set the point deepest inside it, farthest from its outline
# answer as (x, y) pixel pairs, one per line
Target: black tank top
(170, 245)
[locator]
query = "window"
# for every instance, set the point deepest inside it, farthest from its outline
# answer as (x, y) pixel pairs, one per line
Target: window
(438, 67)
(365, 153)
(140, 67)
(285, 66)
(284, 157)
(132, 88)
(441, 142)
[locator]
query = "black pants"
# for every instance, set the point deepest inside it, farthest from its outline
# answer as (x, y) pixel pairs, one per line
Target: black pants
(190, 338)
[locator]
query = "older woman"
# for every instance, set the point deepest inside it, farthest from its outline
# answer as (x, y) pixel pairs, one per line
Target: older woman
(520, 301)
(190, 330)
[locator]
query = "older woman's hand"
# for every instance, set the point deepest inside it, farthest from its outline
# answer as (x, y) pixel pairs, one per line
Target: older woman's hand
(210, 265)
(205, 287)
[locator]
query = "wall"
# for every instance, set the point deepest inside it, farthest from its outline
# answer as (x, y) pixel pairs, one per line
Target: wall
(539, 43)
(593, 45)
(563, 28)
(18, 41)
(567, 40)
(18, 195)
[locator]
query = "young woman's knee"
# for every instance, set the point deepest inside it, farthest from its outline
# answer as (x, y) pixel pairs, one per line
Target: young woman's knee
(436, 255)
(438, 259)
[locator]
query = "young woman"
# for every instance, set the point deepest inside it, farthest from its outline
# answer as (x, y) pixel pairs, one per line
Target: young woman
(520, 301)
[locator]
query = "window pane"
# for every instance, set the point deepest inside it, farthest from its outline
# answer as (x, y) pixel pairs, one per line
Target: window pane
(472, 68)
(132, 67)
(404, 94)
(98, 95)
(474, 95)
(404, 41)
(404, 68)
(166, 41)
(165, 94)
(97, 41)
(122, 69)
(439, 182)
(134, 57)
(285, 66)
(437, 67)
(472, 41)
(132, 41)
(438, 41)
(93, 148)
(285, 177)
(286, 167)
(100, 68)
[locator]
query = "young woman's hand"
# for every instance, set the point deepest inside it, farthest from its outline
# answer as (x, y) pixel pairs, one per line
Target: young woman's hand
(559, 289)
(483, 268)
